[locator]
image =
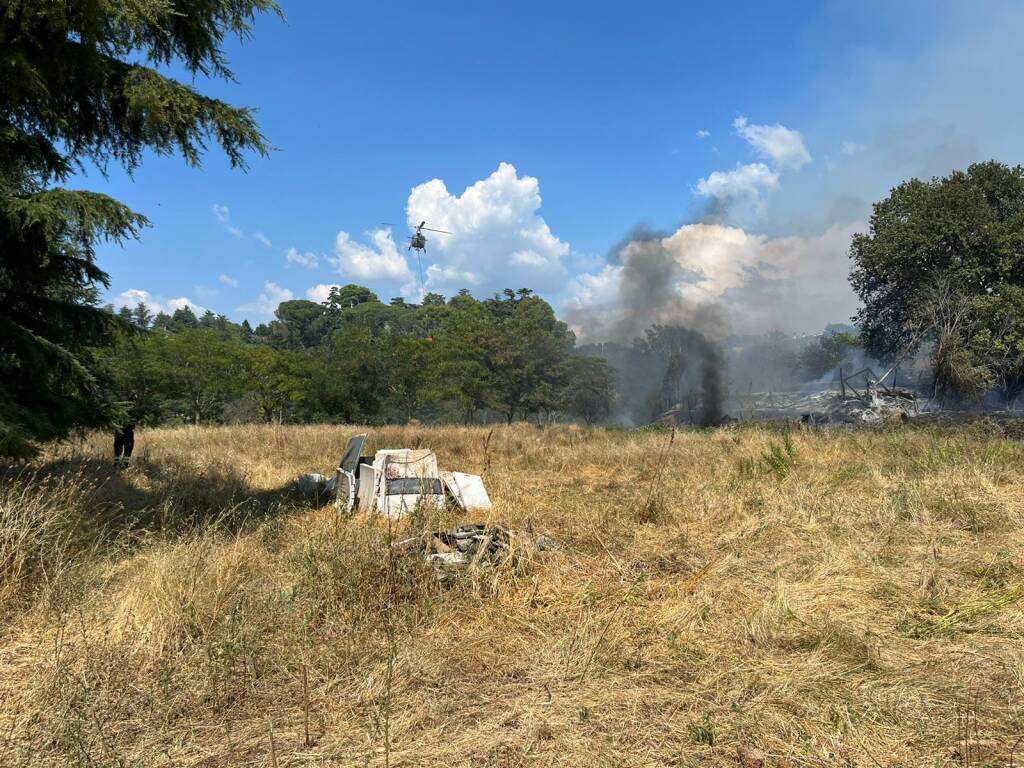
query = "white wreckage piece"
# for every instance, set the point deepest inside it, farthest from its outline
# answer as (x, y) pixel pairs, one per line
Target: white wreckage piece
(394, 482)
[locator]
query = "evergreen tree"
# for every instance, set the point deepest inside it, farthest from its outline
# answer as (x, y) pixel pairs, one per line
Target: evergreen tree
(141, 316)
(348, 296)
(211, 319)
(529, 359)
(466, 338)
(82, 83)
(184, 318)
(162, 322)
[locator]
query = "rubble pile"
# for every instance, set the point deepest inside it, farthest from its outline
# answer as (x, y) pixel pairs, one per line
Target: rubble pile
(479, 545)
(869, 407)
(873, 409)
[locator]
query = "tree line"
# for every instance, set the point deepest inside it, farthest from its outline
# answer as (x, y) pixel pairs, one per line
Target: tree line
(354, 358)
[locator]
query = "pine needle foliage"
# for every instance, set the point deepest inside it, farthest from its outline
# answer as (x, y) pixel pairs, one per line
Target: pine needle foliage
(82, 85)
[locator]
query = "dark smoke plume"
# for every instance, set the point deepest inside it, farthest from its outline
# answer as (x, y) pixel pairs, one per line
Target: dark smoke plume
(671, 360)
(648, 290)
(672, 368)
(711, 387)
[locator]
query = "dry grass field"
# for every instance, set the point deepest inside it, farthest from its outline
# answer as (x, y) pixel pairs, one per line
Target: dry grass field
(738, 597)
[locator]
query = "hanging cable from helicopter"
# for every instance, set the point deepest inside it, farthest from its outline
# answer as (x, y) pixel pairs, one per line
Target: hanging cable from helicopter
(418, 243)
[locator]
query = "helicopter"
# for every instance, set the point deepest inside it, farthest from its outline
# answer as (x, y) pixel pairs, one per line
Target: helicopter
(418, 241)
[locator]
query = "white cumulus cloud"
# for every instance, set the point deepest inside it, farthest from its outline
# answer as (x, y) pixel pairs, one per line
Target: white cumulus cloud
(703, 134)
(320, 293)
(438, 275)
(263, 239)
(498, 239)
(309, 260)
(594, 291)
(380, 260)
(156, 304)
(264, 305)
(783, 146)
(228, 280)
(743, 181)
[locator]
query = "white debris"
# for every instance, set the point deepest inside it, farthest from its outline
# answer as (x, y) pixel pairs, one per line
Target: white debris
(394, 482)
(467, 490)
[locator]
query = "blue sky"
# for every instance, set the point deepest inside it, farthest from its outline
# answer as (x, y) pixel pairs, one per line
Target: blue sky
(575, 122)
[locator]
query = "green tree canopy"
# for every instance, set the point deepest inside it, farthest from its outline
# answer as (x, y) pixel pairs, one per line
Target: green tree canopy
(966, 228)
(530, 357)
(348, 296)
(200, 368)
(275, 379)
(590, 389)
(371, 363)
(299, 325)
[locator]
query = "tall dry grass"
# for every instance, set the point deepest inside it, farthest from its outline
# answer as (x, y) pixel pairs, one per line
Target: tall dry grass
(739, 597)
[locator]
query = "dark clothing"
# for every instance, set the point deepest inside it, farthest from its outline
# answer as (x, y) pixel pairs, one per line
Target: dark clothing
(124, 443)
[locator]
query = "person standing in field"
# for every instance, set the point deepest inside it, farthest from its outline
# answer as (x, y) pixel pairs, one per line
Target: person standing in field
(124, 444)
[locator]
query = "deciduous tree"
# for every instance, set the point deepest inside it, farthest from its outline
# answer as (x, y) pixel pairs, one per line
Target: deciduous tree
(943, 264)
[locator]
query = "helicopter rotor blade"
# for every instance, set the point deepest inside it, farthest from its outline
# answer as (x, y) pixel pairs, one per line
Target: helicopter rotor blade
(442, 231)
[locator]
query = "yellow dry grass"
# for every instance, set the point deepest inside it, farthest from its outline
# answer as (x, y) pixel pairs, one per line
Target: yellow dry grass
(717, 598)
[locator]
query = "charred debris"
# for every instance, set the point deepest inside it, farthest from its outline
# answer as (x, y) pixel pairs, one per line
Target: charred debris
(862, 397)
(679, 376)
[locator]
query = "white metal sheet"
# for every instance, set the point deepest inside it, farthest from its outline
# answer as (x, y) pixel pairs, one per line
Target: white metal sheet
(467, 490)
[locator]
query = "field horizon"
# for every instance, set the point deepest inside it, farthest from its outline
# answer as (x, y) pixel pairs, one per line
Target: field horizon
(743, 596)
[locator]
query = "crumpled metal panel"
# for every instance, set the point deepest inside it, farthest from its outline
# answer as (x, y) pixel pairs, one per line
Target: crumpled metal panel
(467, 490)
